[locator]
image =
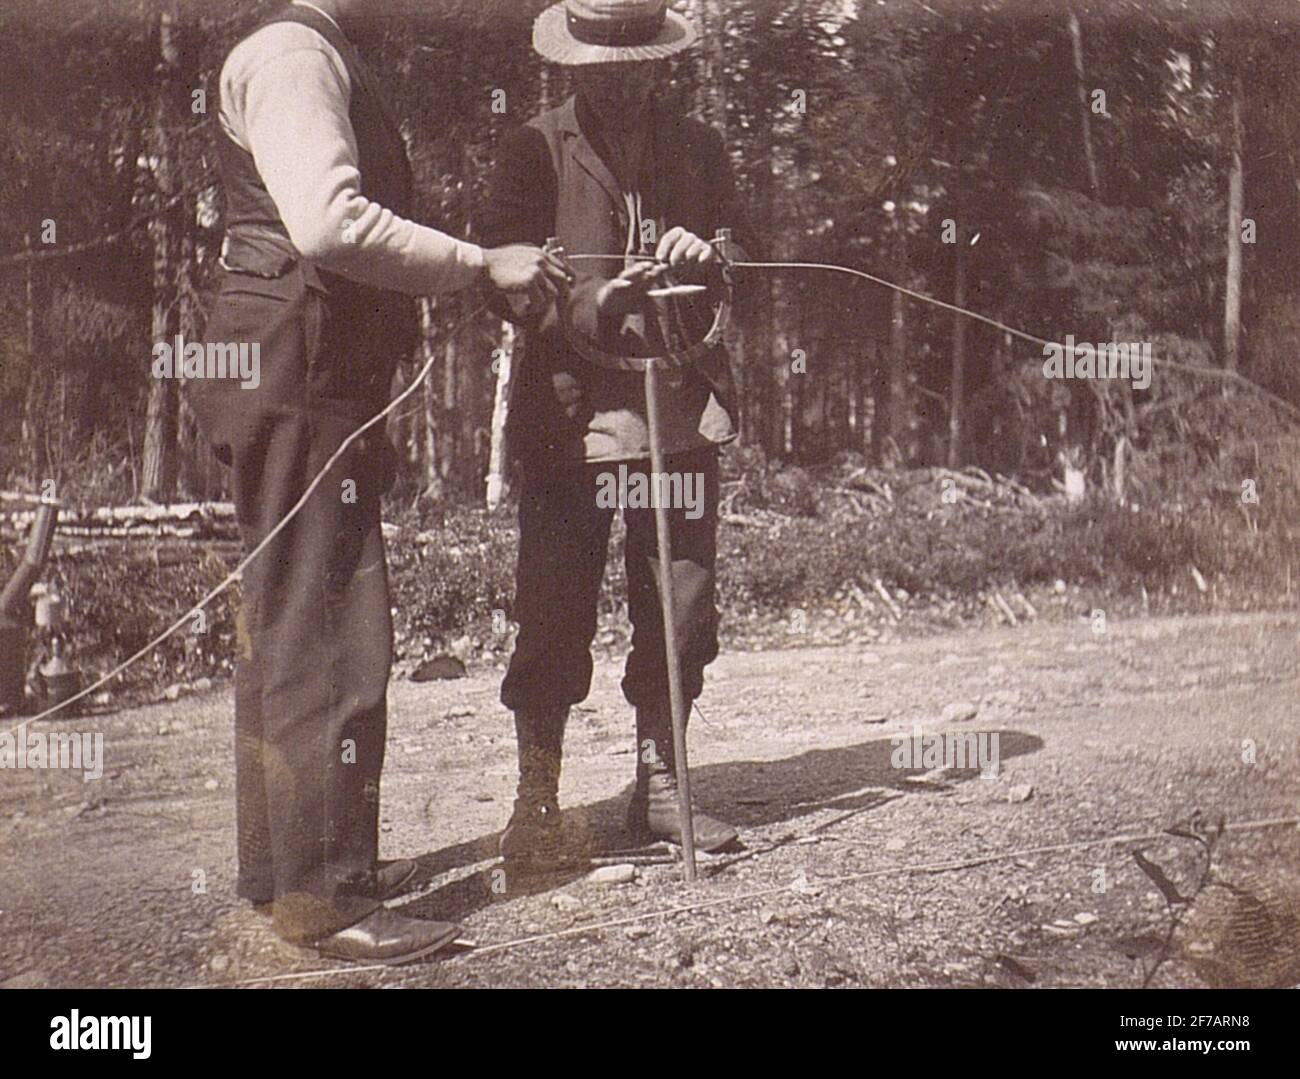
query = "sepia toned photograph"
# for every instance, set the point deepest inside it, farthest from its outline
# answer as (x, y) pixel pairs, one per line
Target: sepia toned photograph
(719, 494)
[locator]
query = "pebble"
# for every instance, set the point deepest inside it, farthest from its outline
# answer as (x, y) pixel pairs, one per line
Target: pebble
(1085, 918)
(219, 964)
(173, 692)
(613, 874)
(895, 844)
(211, 785)
(566, 903)
(959, 712)
(1021, 792)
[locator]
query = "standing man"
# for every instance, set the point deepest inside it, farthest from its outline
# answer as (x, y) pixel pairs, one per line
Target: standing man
(319, 262)
(612, 171)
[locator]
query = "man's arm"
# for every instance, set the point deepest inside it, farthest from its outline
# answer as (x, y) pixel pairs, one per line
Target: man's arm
(285, 96)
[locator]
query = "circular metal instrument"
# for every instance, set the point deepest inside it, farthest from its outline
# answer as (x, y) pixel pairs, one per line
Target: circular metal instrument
(684, 353)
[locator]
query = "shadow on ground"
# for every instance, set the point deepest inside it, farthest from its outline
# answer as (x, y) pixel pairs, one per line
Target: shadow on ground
(748, 794)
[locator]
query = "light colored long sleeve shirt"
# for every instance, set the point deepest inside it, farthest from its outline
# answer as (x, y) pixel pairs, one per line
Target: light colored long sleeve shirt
(285, 94)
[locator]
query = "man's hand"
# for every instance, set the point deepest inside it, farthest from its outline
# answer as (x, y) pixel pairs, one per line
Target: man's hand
(526, 272)
(625, 293)
(678, 247)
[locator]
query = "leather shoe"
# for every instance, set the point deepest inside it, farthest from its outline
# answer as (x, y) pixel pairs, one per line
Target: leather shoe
(384, 936)
(391, 879)
(653, 815)
(533, 840)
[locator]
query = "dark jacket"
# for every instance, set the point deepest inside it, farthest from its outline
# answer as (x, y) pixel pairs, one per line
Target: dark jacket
(686, 181)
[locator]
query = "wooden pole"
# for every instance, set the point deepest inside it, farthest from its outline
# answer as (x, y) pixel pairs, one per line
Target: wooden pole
(666, 600)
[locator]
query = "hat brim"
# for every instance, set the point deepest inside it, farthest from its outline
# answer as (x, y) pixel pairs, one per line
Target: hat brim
(552, 40)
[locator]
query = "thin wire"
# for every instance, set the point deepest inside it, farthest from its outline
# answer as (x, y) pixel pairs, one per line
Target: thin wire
(762, 893)
(1193, 369)
(235, 574)
(825, 266)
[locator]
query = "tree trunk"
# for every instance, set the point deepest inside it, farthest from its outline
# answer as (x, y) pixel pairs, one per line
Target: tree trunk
(955, 418)
(498, 486)
(889, 405)
(33, 404)
(1232, 286)
(159, 465)
(433, 486)
(451, 447)
(1076, 41)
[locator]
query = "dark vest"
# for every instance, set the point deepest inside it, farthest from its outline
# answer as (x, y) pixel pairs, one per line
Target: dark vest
(256, 239)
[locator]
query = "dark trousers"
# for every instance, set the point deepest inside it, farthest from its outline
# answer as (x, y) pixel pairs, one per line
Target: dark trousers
(315, 630)
(563, 536)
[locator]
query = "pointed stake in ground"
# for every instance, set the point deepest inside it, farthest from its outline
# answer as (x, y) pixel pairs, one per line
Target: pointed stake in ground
(668, 605)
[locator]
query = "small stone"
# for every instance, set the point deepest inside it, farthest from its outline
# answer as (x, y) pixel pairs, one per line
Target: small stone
(173, 692)
(613, 874)
(211, 785)
(203, 685)
(1085, 918)
(801, 885)
(566, 903)
(219, 964)
(439, 668)
(959, 712)
(895, 845)
(1021, 792)
(636, 932)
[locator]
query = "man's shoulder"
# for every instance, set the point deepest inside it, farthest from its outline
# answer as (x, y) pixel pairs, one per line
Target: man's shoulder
(271, 42)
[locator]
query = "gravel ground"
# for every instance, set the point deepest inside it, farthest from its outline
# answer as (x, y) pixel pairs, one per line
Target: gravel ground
(129, 881)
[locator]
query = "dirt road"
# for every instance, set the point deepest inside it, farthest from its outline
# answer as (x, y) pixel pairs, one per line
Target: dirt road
(129, 880)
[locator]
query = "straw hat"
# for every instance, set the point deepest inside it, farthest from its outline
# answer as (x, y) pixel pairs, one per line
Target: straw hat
(611, 31)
